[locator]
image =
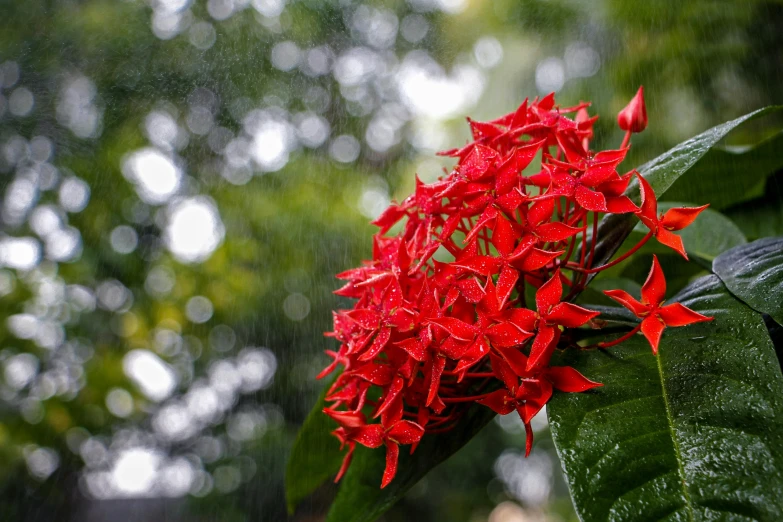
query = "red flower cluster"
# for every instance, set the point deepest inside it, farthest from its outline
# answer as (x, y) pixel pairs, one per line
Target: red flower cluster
(442, 320)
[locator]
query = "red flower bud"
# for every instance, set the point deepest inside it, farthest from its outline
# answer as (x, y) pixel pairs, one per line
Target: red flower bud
(633, 117)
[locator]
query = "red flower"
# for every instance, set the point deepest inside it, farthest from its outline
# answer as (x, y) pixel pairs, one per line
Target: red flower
(633, 118)
(551, 315)
(663, 225)
(442, 302)
(654, 316)
(354, 429)
(529, 395)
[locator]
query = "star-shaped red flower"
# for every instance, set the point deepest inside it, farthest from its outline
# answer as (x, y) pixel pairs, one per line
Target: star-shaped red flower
(656, 317)
(663, 225)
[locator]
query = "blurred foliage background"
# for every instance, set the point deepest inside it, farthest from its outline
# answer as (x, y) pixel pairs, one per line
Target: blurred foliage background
(181, 179)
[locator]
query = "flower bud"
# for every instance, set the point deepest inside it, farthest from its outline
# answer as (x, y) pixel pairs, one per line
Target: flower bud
(633, 117)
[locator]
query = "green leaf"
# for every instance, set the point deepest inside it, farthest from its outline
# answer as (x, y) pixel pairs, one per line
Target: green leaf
(662, 172)
(315, 456)
(727, 176)
(761, 217)
(360, 498)
(693, 434)
(754, 273)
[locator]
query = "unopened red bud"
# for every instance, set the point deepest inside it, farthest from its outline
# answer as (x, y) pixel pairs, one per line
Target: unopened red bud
(634, 116)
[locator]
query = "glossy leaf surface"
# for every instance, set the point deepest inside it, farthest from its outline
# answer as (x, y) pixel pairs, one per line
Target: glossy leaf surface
(315, 456)
(754, 273)
(693, 434)
(714, 180)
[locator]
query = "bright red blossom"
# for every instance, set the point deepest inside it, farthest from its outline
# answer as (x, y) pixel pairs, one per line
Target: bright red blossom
(656, 317)
(441, 321)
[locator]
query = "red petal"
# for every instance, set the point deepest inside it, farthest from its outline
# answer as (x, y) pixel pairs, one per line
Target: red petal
(504, 373)
(628, 301)
(346, 462)
(435, 371)
(516, 360)
(610, 157)
(549, 294)
(671, 240)
(567, 379)
(349, 419)
(543, 346)
(505, 335)
(503, 236)
(389, 218)
(477, 351)
(498, 401)
(392, 394)
(392, 456)
(570, 315)
(510, 202)
(620, 205)
(571, 144)
(597, 175)
(654, 288)
(378, 374)
(508, 278)
(528, 439)
(523, 318)
(534, 403)
(536, 258)
(370, 436)
(367, 319)
(478, 162)
(555, 231)
(590, 200)
(378, 344)
(649, 209)
(680, 217)
(483, 130)
(541, 211)
(454, 349)
(458, 329)
(471, 289)
(489, 214)
(414, 347)
(405, 432)
(652, 328)
(677, 314)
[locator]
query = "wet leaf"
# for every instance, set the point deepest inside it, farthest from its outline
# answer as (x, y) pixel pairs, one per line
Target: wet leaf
(716, 178)
(754, 273)
(315, 456)
(693, 434)
(761, 217)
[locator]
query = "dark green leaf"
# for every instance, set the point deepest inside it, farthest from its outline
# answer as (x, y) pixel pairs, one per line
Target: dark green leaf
(360, 498)
(761, 217)
(315, 456)
(727, 176)
(662, 172)
(754, 273)
(693, 434)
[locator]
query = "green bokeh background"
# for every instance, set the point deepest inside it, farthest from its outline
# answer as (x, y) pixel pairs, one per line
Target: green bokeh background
(289, 231)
